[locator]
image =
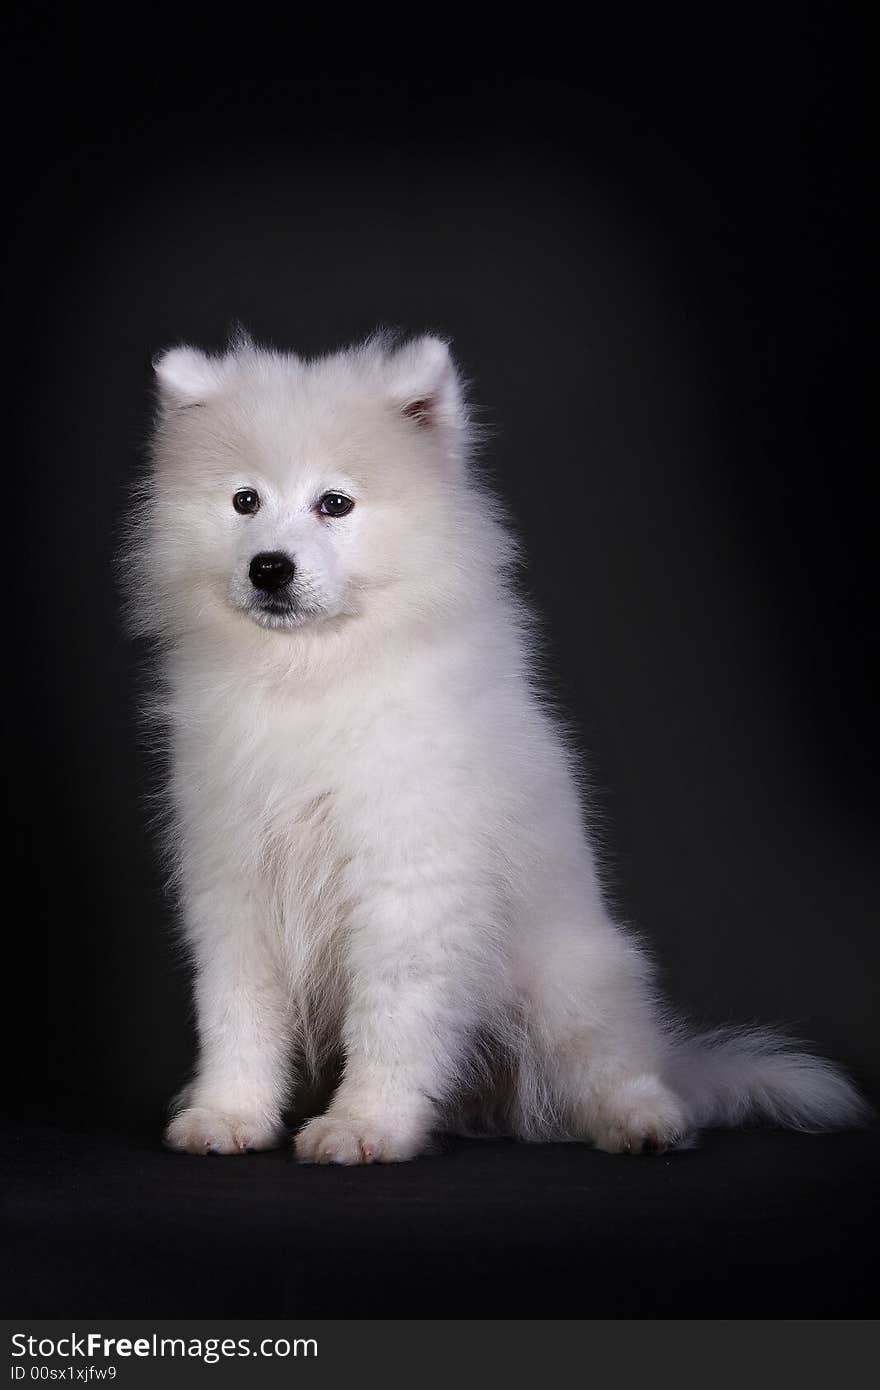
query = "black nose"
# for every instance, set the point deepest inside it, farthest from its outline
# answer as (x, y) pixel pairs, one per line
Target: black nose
(271, 570)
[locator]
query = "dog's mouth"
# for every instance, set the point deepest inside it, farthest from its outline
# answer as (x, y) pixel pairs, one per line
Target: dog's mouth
(283, 611)
(274, 610)
(289, 606)
(276, 605)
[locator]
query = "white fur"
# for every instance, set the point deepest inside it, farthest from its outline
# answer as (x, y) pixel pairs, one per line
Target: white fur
(376, 828)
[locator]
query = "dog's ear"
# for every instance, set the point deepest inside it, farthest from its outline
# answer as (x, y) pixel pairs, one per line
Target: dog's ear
(424, 384)
(185, 376)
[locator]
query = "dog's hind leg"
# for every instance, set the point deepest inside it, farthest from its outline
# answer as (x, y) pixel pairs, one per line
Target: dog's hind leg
(592, 1046)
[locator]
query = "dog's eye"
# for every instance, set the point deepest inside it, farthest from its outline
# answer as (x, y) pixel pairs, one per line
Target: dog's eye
(335, 504)
(246, 501)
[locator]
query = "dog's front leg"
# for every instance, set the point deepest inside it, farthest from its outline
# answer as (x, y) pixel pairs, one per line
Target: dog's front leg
(415, 979)
(236, 1100)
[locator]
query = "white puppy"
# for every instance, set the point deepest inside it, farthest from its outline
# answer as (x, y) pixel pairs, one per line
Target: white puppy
(376, 826)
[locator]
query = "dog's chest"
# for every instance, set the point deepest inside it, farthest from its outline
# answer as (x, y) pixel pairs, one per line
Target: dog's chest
(294, 800)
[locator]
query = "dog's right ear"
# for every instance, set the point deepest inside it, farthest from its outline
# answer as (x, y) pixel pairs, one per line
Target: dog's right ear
(185, 376)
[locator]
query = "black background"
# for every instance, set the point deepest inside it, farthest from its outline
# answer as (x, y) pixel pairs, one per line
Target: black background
(648, 241)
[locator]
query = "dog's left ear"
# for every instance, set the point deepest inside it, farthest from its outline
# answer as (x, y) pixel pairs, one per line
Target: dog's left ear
(425, 386)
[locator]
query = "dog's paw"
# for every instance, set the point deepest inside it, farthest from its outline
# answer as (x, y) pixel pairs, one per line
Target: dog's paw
(339, 1138)
(639, 1116)
(200, 1130)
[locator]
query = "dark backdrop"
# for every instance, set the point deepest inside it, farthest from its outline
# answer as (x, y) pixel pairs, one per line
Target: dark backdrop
(650, 253)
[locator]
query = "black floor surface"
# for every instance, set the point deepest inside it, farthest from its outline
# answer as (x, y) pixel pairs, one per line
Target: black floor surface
(755, 1224)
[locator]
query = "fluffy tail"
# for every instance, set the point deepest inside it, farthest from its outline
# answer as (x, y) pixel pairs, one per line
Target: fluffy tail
(732, 1076)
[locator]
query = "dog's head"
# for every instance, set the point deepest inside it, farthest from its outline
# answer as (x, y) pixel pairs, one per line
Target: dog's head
(288, 492)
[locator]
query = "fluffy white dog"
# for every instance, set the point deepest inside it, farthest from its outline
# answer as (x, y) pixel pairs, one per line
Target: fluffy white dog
(377, 831)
